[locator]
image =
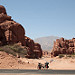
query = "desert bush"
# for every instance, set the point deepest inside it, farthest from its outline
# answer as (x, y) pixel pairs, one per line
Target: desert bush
(19, 49)
(73, 54)
(1, 49)
(69, 55)
(7, 50)
(61, 55)
(14, 49)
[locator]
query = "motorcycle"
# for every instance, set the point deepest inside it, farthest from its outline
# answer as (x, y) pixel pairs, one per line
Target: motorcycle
(43, 66)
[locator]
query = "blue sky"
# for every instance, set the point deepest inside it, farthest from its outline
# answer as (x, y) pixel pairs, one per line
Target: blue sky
(42, 18)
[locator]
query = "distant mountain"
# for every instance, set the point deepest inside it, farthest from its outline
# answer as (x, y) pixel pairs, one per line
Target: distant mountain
(46, 42)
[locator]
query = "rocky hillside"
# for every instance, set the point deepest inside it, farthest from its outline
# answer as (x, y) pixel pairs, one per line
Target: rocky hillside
(12, 32)
(46, 42)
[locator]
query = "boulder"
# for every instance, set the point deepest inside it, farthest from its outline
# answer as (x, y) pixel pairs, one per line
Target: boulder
(13, 32)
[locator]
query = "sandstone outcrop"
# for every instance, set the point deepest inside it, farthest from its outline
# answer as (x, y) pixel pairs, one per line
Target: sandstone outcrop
(12, 32)
(62, 46)
(35, 48)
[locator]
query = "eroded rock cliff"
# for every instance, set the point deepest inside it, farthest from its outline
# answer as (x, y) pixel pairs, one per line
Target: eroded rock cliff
(62, 46)
(12, 32)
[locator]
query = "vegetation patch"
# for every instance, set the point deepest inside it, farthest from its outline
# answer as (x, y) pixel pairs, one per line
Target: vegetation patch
(61, 55)
(14, 50)
(67, 55)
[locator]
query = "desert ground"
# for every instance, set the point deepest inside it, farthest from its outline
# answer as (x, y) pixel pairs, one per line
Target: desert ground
(57, 63)
(8, 61)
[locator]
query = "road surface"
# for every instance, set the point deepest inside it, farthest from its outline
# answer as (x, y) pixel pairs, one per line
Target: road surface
(22, 71)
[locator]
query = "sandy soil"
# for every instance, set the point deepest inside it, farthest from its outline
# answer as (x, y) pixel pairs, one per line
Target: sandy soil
(10, 62)
(56, 63)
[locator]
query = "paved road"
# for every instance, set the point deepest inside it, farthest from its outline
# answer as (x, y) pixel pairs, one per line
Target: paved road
(37, 71)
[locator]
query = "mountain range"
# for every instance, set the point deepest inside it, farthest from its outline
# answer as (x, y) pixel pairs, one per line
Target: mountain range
(46, 42)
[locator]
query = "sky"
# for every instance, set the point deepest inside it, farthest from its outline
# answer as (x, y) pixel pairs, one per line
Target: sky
(41, 18)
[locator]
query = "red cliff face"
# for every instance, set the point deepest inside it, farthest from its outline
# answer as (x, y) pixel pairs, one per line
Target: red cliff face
(35, 48)
(62, 46)
(12, 32)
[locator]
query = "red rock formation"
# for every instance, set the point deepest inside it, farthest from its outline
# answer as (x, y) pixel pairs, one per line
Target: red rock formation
(62, 46)
(12, 32)
(35, 48)
(2, 9)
